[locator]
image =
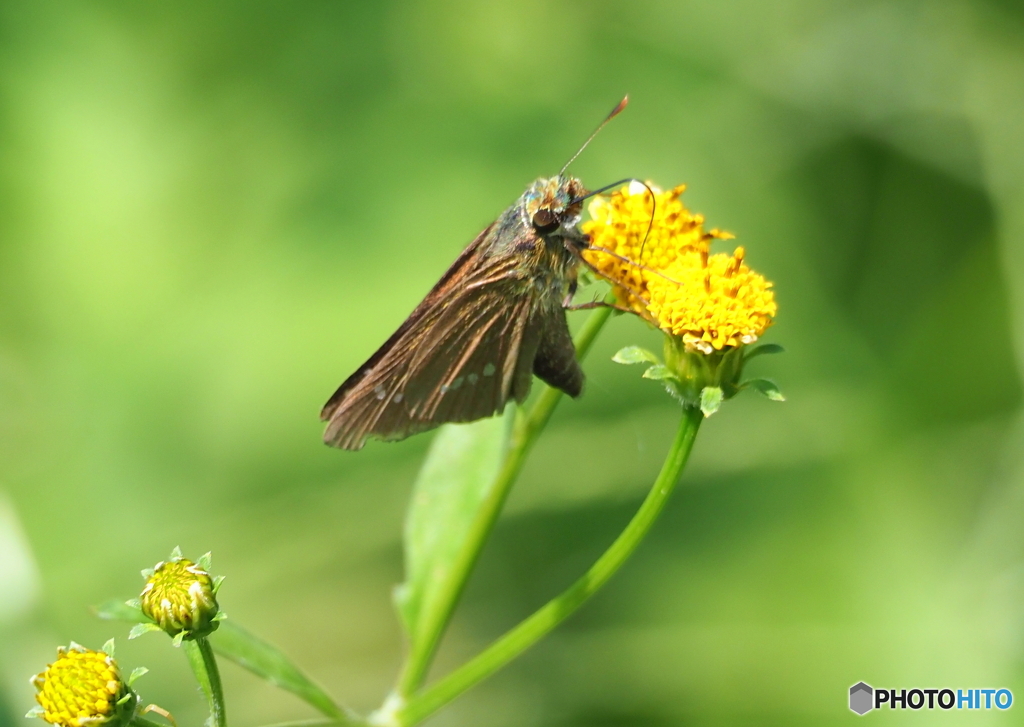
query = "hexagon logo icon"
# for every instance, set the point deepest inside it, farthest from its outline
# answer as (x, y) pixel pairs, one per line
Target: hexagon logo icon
(861, 698)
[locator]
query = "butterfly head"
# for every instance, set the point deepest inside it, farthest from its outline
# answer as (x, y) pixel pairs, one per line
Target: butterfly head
(553, 203)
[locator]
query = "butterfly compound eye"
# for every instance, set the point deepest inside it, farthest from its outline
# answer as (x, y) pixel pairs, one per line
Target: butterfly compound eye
(544, 220)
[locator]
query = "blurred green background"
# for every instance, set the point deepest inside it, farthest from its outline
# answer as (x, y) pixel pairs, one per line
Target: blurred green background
(210, 214)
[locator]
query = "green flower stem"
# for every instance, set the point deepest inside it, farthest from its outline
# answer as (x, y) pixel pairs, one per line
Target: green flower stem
(524, 434)
(138, 721)
(536, 626)
(204, 666)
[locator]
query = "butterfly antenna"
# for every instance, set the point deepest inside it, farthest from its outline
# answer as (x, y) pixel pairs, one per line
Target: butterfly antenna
(615, 112)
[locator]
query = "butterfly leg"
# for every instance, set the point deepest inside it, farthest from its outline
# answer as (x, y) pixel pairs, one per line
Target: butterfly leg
(599, 304)
(567, 301)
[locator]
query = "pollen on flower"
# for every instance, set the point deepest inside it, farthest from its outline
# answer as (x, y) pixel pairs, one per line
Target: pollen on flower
(81, 688)
(712, 302)
(635, 233)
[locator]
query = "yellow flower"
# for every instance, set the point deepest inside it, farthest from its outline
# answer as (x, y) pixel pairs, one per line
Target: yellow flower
(656, 255)
(180, 597)
(618, 228)
(709, 301)
(712, 302)
(80, 689)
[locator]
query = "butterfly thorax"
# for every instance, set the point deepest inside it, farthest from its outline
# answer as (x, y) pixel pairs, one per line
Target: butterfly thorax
(538, 237)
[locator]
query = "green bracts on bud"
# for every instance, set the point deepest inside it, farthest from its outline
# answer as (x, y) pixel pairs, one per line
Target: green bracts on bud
(699, 379)
(693, 371)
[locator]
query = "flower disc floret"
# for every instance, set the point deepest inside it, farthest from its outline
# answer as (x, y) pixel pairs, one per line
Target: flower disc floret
(712, 302)
(179, 597)
(656, 255)
(80, 689)
(639, 230)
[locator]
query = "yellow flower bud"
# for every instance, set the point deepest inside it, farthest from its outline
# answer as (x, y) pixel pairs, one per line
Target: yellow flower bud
(81, 689)
(180, 597)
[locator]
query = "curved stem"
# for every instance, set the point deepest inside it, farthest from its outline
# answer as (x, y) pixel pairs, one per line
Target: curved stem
(524, 434)
(527, 633)
(204, 666)
(138, 721)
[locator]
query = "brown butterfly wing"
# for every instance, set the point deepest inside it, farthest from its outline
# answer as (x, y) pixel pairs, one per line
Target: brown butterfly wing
(468, 259)
(465, 351)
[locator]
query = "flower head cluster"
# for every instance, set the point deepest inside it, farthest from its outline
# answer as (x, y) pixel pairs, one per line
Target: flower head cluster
(181, 597)
(657, 257)
(656, 254)
(712, 302)
(82, 688)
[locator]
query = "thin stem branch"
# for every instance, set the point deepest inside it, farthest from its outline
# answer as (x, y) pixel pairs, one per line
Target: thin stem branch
(139, 721)
(204, 666)
(524, 434)
(528, 632)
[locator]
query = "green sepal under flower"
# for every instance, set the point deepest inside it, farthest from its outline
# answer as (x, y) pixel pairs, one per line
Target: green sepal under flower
(702, 380)
(84, 688)
(180, 598)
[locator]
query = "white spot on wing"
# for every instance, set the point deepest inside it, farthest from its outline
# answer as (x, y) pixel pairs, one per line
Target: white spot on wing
(489, 370)
(398, 398)
(378, 390)
(458, 382)
(473, 378)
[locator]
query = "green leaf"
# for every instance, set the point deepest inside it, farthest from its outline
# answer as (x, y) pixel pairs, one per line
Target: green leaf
(136, 673)
(36, 711)
(268, 662)
(140, 629)
(659, 373)
(176, 553)
(766, 387)
(762, 350)
(120, 611)
(108, 648)
(711, 398)
(206, 561)
(178, 638)
(459, 469)
(635, 355)
(248, 651)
